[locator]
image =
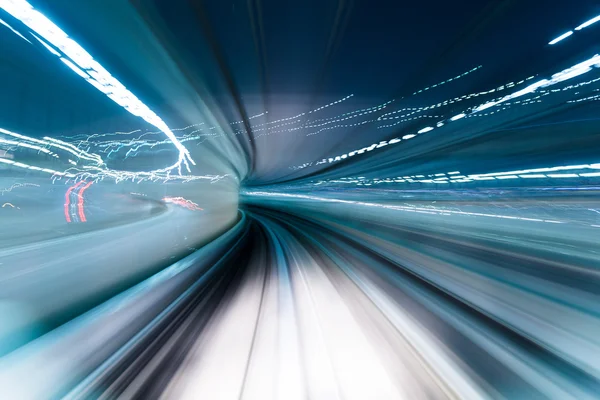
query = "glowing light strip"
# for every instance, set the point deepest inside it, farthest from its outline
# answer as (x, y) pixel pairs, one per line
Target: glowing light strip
(98, 170)
(546, 169)
(53, 143)
(564, 75)
(561, 37)
(532, 176)
(74, 68)
(84, 64)
(114, 146)
(421, 210)
(409, 119)
(458, 99)
(27, 145)
(76, 151)
(46, 45)
(455, 176)
(35, 168)
(588, 23)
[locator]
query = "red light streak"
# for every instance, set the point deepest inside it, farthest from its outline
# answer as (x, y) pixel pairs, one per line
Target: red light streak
(183, 202)
(68, 200)
(80, 202)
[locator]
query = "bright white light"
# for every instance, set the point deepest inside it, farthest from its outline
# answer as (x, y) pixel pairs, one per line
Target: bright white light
(533, 176)
(529, 89)
(429, 128)
(566, 74)
(588, 23)
(47, 46)
(95, 84)
(105, 82)
(538, 170)
(406, 137)
(21, 165)
(570, 74)
(485, 106)
(74, 68)
(563, 175)
(55, 143)
(561, 37)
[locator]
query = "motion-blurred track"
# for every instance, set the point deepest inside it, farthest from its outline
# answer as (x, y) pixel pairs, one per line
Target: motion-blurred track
(307, 302)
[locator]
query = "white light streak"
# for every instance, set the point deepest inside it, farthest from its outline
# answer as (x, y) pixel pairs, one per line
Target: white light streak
(47, 46)
(532, 176)
(76, 69)
(588, 23)
(485, 106)
(421, 210)
(561, 37)
(563, 175)
(100, 78)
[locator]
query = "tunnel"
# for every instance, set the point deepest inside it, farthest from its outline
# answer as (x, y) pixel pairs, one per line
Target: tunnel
(316, 199)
